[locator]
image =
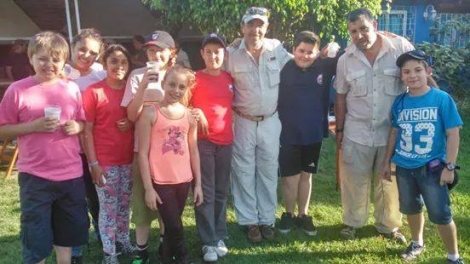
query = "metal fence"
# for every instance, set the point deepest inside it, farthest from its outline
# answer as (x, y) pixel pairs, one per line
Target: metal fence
(400, 20)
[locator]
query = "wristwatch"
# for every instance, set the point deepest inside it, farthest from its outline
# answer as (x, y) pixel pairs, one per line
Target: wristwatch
(451, 166)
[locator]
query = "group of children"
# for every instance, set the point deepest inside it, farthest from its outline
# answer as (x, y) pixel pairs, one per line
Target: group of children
(156, 132)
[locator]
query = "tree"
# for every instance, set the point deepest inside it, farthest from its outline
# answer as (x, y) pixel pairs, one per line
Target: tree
(287, 17)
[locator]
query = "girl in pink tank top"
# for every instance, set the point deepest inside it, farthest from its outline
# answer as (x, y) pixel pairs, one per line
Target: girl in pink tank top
(169, 159)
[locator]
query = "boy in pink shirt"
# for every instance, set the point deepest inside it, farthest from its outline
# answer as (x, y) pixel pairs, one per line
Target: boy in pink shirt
(52, 193)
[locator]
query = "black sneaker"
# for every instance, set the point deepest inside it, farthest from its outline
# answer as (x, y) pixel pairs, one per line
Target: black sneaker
(458, 261)
(396, 236)
(305, 223)
(412, 251)
(76, 260)
(287, 221)
(128, 249)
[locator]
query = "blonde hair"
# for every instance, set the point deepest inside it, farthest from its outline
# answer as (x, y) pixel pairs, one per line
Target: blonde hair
(190, 76)
(51, 42)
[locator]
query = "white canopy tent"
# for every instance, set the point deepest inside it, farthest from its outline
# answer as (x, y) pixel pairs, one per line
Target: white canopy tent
(116, 19)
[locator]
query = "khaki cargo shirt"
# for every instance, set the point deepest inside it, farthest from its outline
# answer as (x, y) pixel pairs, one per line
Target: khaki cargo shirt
(370, 90)
(257, 86)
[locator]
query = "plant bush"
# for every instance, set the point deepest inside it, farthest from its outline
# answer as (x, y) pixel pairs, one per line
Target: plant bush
(449, 63)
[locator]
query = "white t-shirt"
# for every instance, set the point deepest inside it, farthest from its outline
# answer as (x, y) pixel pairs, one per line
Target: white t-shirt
(96, 74)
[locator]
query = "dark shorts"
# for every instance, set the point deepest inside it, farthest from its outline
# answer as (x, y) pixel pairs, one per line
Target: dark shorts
(294, 159)
(52, 213)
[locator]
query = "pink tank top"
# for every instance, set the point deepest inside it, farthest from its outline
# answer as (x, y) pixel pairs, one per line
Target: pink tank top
(169, 152)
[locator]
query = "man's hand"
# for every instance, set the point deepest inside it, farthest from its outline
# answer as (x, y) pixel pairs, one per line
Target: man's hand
(386, 173)
(339, 139)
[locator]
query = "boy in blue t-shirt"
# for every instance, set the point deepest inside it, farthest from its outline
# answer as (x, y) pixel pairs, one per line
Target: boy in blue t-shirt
(424, 142)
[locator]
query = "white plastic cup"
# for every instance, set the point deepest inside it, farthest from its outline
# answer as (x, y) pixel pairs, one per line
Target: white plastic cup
(333, 49)
(154, 68)
(52, 112)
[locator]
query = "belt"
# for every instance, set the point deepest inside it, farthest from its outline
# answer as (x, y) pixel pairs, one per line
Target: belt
(258, 118)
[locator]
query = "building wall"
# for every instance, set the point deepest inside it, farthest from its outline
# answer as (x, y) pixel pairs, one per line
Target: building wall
(407, 18)
(14, 23)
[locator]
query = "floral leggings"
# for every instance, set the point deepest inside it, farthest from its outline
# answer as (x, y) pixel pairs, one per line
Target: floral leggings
(114, 199)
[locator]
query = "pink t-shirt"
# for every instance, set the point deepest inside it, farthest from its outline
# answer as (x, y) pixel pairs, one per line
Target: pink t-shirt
(53, 156)
(169, 158)
(214, 96)
(103, 108)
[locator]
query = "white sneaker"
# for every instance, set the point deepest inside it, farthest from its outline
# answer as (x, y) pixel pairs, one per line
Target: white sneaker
(221, 249)
(209, 254)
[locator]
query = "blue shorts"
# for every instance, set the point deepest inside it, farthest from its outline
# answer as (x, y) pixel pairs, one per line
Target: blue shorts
(418, 187)
(52, 213)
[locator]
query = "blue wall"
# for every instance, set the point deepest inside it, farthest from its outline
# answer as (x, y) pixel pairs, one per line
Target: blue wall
(421, 31)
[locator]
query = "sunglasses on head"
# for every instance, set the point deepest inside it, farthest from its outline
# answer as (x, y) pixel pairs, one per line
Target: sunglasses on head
(421, 55)
(257, 11)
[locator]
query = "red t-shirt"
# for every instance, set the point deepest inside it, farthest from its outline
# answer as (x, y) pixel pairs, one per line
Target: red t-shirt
(214, 96)
(103, 108)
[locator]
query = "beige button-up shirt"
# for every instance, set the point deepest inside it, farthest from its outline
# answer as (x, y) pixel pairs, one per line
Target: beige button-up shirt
(370, 89)
(257, 86)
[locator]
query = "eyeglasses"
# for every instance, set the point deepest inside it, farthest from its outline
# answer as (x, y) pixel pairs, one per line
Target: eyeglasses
(257, 11)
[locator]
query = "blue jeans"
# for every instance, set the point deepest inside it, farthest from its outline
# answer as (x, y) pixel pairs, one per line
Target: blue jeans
(418, 187)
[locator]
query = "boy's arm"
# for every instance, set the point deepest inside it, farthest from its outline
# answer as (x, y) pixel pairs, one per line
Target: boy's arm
(195, 161)
(386, 173)
(452, 150)
(144, 128)
(136, 105)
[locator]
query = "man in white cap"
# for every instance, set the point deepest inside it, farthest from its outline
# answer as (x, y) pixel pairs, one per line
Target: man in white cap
(255, 66)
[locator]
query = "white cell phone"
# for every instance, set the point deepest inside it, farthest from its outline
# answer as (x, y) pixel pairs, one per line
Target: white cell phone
(103, 179)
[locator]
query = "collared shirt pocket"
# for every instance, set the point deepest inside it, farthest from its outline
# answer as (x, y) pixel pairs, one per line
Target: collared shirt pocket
(357, 83)
(273, 73)
(391, 82)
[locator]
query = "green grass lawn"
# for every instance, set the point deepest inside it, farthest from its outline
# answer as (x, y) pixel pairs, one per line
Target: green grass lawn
(326, 247)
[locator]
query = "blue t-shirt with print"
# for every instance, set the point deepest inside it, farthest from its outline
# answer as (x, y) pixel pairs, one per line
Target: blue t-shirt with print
(422, 122)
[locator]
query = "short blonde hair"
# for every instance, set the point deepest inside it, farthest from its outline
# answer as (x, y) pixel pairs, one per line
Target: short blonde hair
(52, 42)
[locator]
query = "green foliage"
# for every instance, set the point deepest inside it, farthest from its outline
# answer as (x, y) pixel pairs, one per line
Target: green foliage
(287, 17)
(450, 63)
(455, 26)
(295, 247)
